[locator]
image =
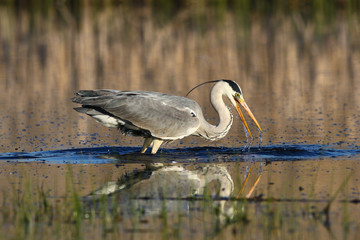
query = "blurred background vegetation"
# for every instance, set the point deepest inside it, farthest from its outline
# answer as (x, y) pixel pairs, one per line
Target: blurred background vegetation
(299, 52)
(320, 11)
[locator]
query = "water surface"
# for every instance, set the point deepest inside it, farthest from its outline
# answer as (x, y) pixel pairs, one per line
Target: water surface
(101, 155)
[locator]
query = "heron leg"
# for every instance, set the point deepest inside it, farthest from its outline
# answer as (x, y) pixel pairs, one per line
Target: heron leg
(146, 144)
(156, 145)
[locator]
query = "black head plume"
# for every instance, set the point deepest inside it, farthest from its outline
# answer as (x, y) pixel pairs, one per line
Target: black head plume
(232, 84)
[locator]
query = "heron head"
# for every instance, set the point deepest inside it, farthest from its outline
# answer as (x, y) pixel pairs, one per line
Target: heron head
(233, 91)
(237, 99)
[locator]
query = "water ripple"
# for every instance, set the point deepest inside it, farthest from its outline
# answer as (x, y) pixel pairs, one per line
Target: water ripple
(99, 155)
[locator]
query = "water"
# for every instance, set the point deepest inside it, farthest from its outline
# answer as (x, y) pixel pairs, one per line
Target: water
(296, 187)
(299, 74)
(268, 153)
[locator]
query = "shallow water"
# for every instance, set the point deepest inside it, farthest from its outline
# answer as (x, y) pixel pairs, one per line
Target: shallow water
(99, 155)
(299, 76)
(290, 196)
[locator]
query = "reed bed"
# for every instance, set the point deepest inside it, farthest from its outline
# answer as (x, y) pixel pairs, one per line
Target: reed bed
(276, 59)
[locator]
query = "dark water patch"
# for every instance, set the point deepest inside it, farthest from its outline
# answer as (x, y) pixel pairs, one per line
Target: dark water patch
(99, 155)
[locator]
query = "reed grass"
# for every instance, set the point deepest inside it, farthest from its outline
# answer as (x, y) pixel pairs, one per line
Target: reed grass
(276, 58)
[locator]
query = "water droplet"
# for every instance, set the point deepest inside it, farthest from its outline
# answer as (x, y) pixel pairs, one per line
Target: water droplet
(260, 138)
(248, 140)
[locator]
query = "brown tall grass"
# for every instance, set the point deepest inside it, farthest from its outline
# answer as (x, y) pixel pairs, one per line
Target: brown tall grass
(291, 72)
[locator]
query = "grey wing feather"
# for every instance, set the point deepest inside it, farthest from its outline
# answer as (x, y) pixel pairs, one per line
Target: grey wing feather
(164, 116)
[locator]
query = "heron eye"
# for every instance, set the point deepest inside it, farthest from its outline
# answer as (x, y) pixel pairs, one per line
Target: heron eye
(237, 95)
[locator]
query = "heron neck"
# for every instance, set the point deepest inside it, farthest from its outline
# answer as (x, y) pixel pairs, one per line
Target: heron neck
(212, 132)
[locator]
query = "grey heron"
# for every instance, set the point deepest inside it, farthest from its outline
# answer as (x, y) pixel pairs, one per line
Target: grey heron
(160, 117)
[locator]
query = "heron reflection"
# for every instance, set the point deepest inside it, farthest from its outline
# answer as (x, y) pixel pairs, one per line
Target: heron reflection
(145, 190)
(173, 181)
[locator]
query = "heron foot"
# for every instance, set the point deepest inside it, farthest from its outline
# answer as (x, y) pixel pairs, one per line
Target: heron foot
(156, 145)
(146, 144)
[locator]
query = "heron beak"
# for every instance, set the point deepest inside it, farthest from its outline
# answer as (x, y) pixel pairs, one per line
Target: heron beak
(242, 102)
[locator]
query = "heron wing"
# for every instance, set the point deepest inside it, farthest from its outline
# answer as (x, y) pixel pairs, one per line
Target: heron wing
(164, 116)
